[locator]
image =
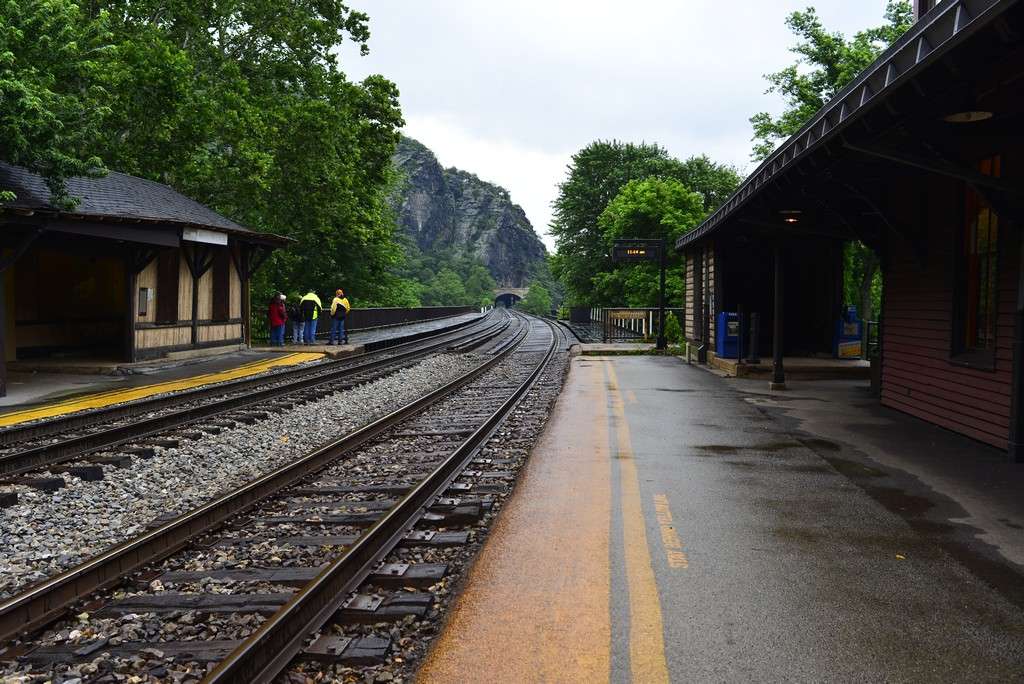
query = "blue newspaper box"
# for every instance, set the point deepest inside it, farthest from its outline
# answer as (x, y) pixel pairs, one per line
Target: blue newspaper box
(848, 335)
(727, 336)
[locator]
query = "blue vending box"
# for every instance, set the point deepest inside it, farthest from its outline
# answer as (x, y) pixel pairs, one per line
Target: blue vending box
(848, 335)
(727, 336)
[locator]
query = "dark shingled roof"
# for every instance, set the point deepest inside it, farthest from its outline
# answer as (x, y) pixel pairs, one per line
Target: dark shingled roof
(118, 196)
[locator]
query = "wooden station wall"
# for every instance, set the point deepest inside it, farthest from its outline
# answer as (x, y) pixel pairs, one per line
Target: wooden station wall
(921, 374)
(700, 260)
(153, 336)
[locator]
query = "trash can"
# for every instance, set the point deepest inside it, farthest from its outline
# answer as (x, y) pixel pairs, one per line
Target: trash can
(727, 336)
(847, 343)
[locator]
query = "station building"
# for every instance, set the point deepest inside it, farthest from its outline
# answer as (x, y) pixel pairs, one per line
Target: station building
(134, 271)
(920, 158)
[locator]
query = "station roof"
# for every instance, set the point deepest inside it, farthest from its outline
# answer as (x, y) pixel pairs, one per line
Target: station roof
(121, 198)
(933, 41)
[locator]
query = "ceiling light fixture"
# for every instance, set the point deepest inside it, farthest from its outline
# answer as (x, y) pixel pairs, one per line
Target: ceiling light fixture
(967, 111)
(790, 215)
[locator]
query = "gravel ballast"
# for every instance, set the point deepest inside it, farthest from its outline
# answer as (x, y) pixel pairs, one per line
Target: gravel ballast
(45, 533)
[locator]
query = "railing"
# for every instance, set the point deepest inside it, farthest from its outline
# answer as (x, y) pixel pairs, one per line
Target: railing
(622, 324)
(366, 319)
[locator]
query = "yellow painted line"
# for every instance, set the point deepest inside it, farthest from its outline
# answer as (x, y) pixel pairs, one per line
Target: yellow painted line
(118, 396)
(646, 630)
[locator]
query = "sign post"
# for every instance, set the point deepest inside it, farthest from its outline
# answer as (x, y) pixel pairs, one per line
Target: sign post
(638, 249)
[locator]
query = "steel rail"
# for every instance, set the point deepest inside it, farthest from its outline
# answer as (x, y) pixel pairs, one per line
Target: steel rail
(269, 650)
(21, 462)
(87, 418)
(47, 600)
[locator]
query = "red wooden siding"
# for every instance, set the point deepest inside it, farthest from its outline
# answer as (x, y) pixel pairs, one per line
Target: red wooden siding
(918, 376)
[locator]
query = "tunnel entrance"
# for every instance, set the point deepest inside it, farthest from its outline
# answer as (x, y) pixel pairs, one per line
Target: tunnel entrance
(507, 300)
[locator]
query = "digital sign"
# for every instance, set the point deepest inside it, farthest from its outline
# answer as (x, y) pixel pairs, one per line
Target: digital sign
(636, 250)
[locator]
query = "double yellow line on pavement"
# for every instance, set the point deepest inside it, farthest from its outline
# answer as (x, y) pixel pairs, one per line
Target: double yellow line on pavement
(646, 630)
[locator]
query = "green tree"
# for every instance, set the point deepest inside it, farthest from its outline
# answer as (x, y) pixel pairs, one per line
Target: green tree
(241, 105)
(656, 208)
(480, 286)
(826, 62)
(445, 289)
(52, 101)
(537, 300)
(596, 174)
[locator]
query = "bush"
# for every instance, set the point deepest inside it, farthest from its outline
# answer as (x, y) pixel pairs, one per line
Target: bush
(673, 330)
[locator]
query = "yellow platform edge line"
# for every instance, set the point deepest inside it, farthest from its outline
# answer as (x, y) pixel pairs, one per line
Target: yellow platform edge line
(119, 396)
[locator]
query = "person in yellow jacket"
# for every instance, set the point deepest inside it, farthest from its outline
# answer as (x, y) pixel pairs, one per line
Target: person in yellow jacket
(310, 307)
(339, 310)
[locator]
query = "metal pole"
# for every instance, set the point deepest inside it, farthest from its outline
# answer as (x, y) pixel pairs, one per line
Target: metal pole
(755, 323)
(778, 371)
(662, 342)
(741, 338)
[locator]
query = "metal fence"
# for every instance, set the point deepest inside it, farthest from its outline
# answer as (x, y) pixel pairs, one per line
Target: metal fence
(621, 324)
(367, 319)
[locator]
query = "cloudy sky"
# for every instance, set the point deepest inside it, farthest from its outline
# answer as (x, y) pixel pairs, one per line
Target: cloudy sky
(510, 89)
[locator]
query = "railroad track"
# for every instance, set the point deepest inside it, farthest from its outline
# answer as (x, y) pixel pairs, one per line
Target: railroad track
(383, 486)
(41, 445)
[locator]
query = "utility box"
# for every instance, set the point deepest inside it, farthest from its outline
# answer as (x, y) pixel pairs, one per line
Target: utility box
(727, 336)
(847, 343)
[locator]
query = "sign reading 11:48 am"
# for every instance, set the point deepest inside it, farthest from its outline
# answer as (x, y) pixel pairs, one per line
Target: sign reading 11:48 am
(637, 250)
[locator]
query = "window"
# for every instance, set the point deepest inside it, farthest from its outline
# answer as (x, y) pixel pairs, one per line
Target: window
(979, 264)
(168, 271)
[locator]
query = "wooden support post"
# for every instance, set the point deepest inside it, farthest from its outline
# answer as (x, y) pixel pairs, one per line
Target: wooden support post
(132, 281)
(778, 370)
(199, 259)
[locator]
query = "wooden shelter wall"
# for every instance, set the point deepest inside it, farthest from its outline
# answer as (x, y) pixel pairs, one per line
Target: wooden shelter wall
(151, 337)
(919, 376)
(689, 325)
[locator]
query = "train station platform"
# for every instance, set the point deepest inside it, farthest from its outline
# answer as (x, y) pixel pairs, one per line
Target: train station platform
(674, 525)
(33, 396)
(46, 388)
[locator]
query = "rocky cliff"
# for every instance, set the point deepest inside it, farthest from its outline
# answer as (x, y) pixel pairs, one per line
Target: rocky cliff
(452, 209)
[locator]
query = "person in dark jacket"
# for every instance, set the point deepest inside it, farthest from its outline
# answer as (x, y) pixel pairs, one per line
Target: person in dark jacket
(277, 317)
(295, 316)
(311, 308)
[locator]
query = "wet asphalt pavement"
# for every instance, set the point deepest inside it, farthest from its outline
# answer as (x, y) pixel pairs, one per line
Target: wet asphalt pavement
(670, 526)
(792, 572)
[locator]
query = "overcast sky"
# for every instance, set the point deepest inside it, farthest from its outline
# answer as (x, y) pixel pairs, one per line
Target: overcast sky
(510, 89)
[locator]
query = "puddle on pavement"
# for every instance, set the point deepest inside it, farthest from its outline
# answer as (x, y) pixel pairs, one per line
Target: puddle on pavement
(735, 449)
(899, 502)
(797, 534)
(818, 443)
(667, 389)
(852, 468)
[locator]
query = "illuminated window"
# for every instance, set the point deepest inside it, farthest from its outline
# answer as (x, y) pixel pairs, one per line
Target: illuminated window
(980, 272)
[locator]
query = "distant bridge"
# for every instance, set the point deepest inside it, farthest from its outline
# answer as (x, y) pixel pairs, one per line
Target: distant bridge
(508, 296)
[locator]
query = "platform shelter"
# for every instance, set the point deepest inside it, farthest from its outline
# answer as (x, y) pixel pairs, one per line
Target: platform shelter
(134, 271)
(919, 158)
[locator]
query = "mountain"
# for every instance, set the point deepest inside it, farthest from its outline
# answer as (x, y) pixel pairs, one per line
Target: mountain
(445, 209)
